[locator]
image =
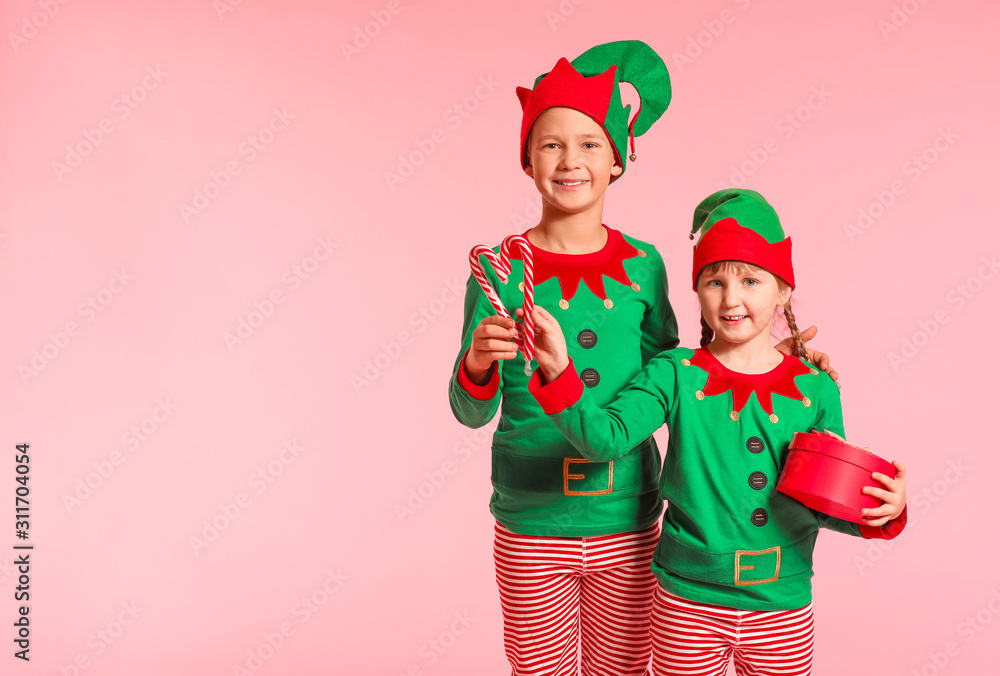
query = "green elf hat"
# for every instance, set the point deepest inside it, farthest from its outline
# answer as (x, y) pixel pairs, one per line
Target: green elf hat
(590, 85)
(739, 225)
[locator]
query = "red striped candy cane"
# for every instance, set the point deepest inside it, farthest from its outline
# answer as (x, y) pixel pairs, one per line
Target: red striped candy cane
(525, 339)
(528, 305)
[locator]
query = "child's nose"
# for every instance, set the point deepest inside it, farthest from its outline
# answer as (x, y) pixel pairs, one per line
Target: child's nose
(570, 158)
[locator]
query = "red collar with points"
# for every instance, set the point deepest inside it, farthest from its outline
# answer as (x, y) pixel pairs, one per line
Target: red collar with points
(591, 268)
(779, 380)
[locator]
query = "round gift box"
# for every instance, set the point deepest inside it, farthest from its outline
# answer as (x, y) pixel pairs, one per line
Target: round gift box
(827, 474)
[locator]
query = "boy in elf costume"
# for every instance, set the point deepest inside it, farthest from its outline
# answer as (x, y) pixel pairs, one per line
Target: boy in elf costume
(574, 538)
(734, 560)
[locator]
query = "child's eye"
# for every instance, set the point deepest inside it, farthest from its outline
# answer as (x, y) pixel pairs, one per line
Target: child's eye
(591, 145)
(713, 283)
(750, 281)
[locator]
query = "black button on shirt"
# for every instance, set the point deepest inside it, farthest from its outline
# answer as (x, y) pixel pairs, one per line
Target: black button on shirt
(758, 480)
(590, 377)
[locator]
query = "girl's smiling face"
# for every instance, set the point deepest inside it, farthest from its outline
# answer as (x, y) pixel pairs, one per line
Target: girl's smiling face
(571, 160)
(738, 301)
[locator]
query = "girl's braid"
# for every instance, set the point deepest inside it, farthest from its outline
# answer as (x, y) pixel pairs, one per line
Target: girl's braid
(800, 347)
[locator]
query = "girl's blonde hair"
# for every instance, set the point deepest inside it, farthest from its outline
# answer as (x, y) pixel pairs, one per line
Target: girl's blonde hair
(741, 267)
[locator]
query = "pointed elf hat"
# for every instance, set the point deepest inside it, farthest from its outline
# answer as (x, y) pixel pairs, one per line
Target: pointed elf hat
(590, 85)
(739, 225)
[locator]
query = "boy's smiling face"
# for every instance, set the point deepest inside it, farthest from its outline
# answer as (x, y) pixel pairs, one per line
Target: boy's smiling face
(571, 160)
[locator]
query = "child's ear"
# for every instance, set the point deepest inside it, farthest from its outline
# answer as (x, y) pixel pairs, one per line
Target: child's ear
(784, 295)
(617, 170)
(529, 170)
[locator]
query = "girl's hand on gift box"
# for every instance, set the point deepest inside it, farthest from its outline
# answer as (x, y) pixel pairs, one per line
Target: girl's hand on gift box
(894, 496)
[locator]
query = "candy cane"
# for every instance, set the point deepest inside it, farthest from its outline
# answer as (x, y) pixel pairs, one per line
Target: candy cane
(528, 305)
(525, 339)
(480, 275)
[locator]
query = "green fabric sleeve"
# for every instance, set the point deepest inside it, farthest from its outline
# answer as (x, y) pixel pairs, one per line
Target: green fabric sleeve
(830, 414)
(469, 410)
(659, 326)
(602, 435)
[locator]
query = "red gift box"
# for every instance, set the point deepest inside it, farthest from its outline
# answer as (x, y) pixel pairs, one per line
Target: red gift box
(826, 473)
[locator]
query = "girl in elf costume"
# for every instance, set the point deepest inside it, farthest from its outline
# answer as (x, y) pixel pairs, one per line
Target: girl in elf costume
(574, 538)
(734, 560)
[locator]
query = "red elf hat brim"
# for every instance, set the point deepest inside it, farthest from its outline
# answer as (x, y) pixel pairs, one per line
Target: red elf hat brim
(727, 240)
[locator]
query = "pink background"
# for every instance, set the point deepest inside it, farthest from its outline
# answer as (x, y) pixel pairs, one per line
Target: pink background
(351, 366)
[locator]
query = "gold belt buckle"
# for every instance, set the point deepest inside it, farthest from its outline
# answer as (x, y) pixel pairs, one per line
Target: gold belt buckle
(744, 567)
(567, 477)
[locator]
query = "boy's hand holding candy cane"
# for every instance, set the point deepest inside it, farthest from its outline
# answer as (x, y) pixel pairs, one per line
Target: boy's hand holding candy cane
(492, 340)
(488, 339)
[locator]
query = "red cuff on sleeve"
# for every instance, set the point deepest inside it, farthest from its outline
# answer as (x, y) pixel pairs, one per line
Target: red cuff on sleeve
(887, 531)
(558, 395)
(481, 392)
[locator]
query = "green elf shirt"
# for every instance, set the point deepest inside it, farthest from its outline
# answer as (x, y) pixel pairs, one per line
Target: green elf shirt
(728, 538)
(613, 306)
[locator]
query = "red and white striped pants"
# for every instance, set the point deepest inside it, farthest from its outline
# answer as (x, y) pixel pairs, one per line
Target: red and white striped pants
(570, 599)
(695, 638)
